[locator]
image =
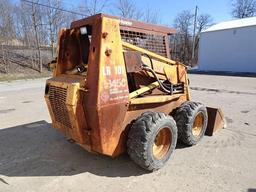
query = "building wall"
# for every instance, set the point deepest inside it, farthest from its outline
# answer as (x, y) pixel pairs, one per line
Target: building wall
(232, 50)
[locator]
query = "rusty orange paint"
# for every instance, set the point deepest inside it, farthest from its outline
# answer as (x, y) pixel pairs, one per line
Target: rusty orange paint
(93, 107)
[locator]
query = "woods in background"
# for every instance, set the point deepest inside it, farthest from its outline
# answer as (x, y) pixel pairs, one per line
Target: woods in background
(32, 26)
(243, 8)
(28, 29)
(189, 30)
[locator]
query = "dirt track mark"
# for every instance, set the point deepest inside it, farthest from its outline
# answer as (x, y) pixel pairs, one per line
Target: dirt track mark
(227, 138)
(6, 111)
(27, 102)
(229, 120)
(221, 91)
(2, 180)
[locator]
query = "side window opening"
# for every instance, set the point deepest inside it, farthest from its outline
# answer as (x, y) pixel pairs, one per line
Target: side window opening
(74, 50)
(85, 41)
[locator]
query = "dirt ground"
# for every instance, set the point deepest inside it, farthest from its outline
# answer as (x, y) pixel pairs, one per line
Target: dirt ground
(35, 157)
(19, 62)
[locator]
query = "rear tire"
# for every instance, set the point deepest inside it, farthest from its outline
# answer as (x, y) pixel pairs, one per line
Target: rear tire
(151, 140)
(191, 119)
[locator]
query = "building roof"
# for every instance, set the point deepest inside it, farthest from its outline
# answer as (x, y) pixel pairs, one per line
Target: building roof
(251, 21)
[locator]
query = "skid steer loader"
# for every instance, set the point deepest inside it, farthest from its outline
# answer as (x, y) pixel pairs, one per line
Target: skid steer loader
(115, 89)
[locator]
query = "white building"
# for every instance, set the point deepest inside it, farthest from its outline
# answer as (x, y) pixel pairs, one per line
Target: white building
(229, 47)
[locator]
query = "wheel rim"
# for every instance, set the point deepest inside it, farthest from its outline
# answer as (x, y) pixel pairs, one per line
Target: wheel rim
(162, 143)
(198, 124)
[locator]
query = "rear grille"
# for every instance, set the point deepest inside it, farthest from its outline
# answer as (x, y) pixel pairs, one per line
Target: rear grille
(57, 97)
(151, 42)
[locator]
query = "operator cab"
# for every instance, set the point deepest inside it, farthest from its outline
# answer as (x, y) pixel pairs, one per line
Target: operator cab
(74, 49)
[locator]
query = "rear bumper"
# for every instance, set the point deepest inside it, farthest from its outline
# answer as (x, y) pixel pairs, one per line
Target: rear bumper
(62, 95)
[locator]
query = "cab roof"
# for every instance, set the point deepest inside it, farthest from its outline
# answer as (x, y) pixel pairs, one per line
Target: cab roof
(128, 24)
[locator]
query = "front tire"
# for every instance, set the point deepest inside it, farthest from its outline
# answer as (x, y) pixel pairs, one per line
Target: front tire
(191, 119)
(151, 140)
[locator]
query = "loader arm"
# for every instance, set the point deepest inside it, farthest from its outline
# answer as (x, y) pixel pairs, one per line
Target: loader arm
(164, 68)
(111, 76)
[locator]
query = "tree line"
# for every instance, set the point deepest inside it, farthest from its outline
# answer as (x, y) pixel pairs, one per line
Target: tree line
(187, 40)
(35, 23)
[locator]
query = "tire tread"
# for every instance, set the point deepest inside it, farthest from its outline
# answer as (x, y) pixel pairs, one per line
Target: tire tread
(140, 135)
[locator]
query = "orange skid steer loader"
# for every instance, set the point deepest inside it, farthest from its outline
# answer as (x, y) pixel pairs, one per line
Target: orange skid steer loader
(115, 89)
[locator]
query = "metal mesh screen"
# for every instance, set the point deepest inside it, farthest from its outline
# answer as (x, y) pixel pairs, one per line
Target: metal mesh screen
(57, 96)
(150, 42)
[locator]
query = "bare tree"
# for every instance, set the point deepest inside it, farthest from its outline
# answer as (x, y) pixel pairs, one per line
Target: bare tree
(92, 7)
(183, 41)
(34, 26)
(23, 26)
(243, 8)
(31, 17)
(128, 9)
(203, 22)
(151, 16)
(6, 20)
(183, 23)
(96, 6)
(54, 20)
(6, 32)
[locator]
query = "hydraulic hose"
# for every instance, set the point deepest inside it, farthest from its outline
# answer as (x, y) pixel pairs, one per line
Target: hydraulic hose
(151, 62)
(162, 85)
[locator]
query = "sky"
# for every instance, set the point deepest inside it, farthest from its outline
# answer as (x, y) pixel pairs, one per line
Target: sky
(168, 9)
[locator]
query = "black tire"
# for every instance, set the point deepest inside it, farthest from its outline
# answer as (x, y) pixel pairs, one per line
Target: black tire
(148, 129)
(185, 117)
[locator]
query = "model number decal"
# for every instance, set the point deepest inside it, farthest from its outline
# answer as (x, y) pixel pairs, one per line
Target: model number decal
(118, 70)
